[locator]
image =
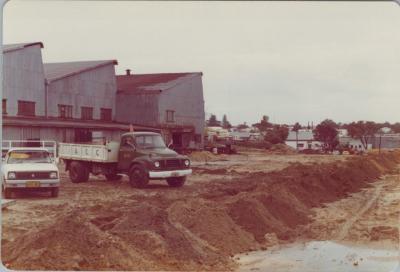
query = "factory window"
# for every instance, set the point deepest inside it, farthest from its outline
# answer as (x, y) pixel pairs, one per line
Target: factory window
(87, 113)
(26, 108)
(170, 116)
(4, 106)
(105, 114)
(65, 111)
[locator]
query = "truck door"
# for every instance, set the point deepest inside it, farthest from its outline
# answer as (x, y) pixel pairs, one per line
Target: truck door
(126, 152)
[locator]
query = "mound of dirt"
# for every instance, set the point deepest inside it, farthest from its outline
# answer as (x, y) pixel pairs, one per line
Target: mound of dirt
(282, 149)
(212, 225)
(73, 243)
(202, 156)
(195, 231)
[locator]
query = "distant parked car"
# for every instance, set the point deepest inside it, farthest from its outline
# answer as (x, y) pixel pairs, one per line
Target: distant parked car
(29, 168)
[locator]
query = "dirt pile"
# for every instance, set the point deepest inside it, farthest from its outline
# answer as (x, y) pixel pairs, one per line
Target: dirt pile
(195, 231)
(282, 149)
(202, 156)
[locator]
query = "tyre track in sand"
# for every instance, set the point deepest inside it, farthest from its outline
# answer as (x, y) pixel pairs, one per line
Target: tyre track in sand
(345, 228)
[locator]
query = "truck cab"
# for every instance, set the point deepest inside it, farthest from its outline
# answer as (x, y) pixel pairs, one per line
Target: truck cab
(144, 155)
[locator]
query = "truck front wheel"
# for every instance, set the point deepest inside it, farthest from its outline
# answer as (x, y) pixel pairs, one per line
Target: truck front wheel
(138, 176)
(78, 172)
(176, 182)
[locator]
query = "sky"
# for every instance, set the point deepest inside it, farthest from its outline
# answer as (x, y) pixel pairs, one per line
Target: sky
(293, 61)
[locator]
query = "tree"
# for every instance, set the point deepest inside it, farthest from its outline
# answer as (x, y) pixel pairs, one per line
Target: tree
(364, 131)
(225, 122)
(296, 128)
(326, 132)
(213, 122)
(277, 135)
(242, 126)
(264, 124)
(395, 127)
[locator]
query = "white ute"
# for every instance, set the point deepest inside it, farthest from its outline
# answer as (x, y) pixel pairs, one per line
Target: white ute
(29, 169)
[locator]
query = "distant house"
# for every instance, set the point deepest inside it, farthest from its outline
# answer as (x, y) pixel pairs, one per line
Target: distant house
(342, 132)
(390, 140)
(303, 140)
(354, 144)
(240, 136)
(172, 102)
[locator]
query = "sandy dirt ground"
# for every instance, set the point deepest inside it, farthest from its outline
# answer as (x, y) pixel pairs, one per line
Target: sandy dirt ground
(370, 217)
(357, 233)
(231, 204)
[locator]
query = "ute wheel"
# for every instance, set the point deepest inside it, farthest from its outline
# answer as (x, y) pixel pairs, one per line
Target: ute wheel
(112, 177)
(176, 182)
(138, 176)
(7, 193)
(78, 172)
(54, 192)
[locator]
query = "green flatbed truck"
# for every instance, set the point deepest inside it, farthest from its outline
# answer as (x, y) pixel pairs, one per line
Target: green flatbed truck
(142, 156)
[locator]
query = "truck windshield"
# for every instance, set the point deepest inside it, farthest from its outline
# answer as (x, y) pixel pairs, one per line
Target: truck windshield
(23, 156)
(149, 141)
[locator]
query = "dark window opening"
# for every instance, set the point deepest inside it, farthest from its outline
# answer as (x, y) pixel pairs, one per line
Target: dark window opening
(170, 116)
(87, 113)
(83, 136)
(64, 111)
(105, 114)
(26, 108)
(4, 105)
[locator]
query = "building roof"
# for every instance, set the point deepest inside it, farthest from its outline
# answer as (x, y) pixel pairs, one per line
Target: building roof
(18, 46)
(73, 123)
(56, 71)
(151, 83)
(303, 135)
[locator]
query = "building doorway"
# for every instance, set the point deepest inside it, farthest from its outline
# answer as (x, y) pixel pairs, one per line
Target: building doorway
(83, 136)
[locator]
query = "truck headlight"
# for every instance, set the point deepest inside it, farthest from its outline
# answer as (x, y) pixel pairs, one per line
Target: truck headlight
(11, 175)
(187, 162)
(157, 164)
(53, 175)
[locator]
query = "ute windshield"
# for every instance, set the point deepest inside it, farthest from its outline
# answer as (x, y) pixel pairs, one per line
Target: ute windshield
(149, 141)
(31, 156)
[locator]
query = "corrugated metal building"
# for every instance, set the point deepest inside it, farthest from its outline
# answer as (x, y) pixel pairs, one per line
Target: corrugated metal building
(23, 88)
(173, 102)
(65, 102)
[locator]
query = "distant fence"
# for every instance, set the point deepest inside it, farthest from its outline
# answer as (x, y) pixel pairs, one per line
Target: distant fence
(51, 146)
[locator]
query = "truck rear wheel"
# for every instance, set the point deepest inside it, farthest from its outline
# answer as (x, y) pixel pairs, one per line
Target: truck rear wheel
(78, 172)
(138, 176)
(176, 182)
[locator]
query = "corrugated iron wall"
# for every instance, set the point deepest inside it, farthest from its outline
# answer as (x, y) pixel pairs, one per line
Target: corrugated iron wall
(95, 88)
(24, 79)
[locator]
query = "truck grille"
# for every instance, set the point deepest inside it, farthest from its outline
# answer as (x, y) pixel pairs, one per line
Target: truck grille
(172, 163)
(32, 175)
